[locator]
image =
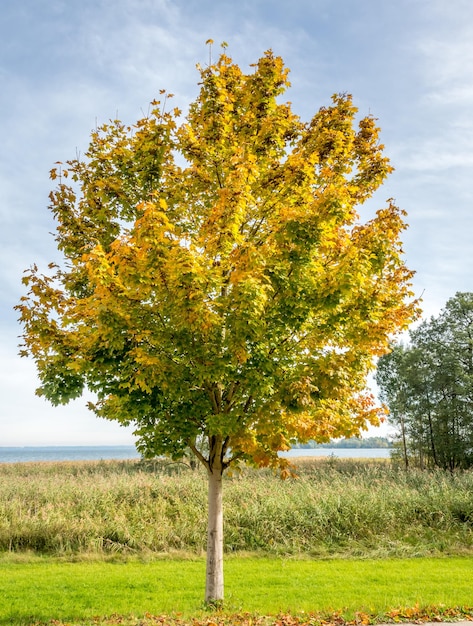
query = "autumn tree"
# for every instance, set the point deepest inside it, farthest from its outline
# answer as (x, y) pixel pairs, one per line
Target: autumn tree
(428, 387)
(218, 290)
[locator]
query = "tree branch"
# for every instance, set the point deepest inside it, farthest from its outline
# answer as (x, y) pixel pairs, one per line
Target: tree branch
(228, 396)
(248, 404)
(198, 453)
(213, 399)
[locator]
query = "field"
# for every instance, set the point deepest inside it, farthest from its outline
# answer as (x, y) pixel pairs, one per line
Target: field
(333, 509)
(369, 516)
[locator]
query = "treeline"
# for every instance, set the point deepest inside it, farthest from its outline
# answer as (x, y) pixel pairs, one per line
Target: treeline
(352, 442)
(427, 385)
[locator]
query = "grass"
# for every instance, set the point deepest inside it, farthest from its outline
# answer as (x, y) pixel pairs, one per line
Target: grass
(43, 589)
(333, 509)
(79, 540)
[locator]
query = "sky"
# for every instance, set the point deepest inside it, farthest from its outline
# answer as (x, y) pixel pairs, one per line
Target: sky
(67, 66)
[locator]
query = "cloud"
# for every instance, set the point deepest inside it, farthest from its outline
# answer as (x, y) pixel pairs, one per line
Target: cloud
(30, 420)
(67, 66)
(446, 45)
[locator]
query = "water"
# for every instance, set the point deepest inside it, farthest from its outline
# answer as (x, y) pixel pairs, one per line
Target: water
(97, 453)
(339, 453)
(67, 453)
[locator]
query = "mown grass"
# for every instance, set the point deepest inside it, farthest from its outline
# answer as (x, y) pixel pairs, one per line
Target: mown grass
(43, 589)
(333, 509)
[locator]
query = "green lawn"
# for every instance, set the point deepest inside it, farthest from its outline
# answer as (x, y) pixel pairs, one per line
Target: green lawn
(42, 589)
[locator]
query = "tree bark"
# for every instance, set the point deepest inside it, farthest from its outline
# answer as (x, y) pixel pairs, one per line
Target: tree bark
(404, 443)
(214, 578)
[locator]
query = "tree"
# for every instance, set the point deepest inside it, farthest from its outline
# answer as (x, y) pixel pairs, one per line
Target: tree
(428, 387)
(218, 290)
(400, 376)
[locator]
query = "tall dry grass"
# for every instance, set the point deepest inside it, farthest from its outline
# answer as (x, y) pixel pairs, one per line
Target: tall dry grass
(332, 508)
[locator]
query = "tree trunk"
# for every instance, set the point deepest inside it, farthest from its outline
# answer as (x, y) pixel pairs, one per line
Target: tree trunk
(404, 443)
(214, 579)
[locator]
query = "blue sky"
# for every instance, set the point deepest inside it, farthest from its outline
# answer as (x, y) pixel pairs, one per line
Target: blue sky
(67, 65)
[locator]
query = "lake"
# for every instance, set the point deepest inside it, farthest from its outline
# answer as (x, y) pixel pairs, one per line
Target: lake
(66, 453)
(97, 453)
(340, 453)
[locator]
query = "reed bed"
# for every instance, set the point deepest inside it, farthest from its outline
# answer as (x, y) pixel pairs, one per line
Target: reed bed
(333, 508)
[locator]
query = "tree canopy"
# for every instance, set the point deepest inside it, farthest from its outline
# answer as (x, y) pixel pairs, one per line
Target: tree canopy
(218, 289)
(428, 387)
